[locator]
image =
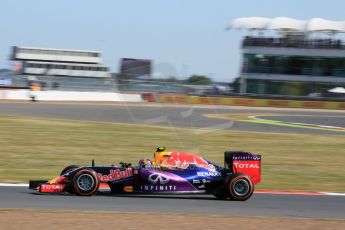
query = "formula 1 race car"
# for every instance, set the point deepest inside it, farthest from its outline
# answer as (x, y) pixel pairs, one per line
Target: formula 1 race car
(170, 172)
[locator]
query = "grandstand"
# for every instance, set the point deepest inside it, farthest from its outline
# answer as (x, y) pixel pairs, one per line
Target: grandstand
(300, 59)
(61, 69)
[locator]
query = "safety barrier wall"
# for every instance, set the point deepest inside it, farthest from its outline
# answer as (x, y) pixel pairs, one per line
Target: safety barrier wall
(182, 99)
(68, 96)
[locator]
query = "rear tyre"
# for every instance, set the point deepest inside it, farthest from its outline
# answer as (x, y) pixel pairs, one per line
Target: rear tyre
(85, 182)
(240, 187)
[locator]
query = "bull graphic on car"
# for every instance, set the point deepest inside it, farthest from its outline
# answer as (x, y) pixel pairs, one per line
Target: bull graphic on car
(169, 172)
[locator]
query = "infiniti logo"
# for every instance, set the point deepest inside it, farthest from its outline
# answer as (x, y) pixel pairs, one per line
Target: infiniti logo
(157, 178)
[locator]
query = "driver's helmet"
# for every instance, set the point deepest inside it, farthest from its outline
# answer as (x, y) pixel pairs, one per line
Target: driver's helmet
(145, 162)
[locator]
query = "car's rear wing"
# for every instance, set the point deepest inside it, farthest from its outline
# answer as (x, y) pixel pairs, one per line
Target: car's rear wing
(244, 162)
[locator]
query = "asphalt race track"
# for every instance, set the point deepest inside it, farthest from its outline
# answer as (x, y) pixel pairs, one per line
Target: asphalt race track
(176, 116)
(311, 206)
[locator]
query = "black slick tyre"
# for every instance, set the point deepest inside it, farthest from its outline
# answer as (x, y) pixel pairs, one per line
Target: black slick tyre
(85, 182)
(69, 168)
(239, 186)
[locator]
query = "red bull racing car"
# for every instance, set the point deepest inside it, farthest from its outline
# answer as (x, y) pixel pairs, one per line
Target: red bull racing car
(169, 172)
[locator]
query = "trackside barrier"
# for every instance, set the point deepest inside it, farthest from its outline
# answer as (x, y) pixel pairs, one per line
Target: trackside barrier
(182, 99)
(68, 96)
(149, 97)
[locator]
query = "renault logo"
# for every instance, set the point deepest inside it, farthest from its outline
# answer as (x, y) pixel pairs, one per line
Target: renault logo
(158, 178)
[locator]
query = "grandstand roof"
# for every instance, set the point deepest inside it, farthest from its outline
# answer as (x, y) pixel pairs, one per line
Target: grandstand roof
(249, 23)
(287, 24)
(320, 24)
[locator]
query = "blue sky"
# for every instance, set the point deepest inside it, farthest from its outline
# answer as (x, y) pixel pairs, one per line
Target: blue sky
(182, 36)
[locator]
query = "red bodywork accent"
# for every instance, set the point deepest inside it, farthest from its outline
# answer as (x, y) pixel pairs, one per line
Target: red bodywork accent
(54, 185)
(58, 180)
(251, 168)
(103, 186)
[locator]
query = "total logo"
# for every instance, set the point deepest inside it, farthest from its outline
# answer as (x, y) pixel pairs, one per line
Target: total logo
(246, 166)
(208, 173)
(52, 186)
(116, 174)
(158, 178)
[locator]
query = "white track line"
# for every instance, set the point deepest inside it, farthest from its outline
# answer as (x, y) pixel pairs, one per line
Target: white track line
(13, 185)
(257, 192)
(302, 124)
(334, 194)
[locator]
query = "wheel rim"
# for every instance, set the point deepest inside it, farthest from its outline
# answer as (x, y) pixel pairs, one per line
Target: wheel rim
(241, 187)
(85, 182)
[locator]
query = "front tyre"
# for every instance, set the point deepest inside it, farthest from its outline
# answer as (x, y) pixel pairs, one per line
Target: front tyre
(240, 187)
(69, 168)
(85, 182)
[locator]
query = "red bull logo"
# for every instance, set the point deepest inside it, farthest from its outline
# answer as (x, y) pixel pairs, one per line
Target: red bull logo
(183, 160)
(116, 174)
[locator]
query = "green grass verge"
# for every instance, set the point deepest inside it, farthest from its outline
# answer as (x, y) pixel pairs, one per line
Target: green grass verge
(34, 148)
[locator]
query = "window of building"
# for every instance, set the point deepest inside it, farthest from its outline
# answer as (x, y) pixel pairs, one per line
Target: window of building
(294, 65)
